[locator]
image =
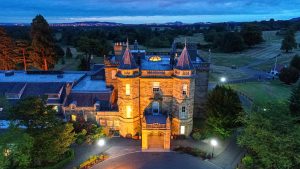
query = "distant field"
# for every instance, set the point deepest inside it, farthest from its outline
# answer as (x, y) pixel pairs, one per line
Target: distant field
(221, 71)
(270, 36)
(264, 92)
(196, 38)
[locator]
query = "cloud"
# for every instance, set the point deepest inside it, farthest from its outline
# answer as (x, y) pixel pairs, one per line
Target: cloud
(169, 8)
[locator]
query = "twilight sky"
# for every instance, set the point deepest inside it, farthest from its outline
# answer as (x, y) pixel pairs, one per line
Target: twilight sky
(148, 11)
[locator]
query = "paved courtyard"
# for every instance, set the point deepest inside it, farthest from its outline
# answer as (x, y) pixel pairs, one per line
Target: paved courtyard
(148, 160)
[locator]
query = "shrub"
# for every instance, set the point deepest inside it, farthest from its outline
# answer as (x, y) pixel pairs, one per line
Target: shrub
(248, 162)
(197, 135)
(289, 75)
(93, 160)
(192, 151)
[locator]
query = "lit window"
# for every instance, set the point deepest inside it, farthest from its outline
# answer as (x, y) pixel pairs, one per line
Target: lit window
(128, 111)
(102, 122)
(1, 109)
(113, 74)
(73, 117)
(155, 86)
(109, 123)
(127, 89)
(155, 58)
(116, 123)
(182, 129)
(184, 89)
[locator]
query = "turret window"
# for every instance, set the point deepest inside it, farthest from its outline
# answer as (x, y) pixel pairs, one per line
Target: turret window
(127, 89)
(183, 113)
(128, 111)
(113, 74)
(184, 89)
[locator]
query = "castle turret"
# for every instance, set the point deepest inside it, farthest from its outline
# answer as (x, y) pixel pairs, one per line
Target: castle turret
(183, 92)
(128, 94)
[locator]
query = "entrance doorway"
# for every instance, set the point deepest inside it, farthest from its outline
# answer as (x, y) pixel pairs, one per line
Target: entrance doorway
(156, 141)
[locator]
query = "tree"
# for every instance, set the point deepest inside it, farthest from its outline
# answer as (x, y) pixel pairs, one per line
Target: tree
(44, 56)
(69, 53)
(60, 53)
(223, 108)
(52, 137)
(289, 42)
(295, 62)
(7, 54)
(15, 148)
(272, 137)
(23, 50)
(229, 42)
(251, 34)
(289, 75)
(295, 102)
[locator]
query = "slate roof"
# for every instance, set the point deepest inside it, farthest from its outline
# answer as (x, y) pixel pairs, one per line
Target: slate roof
(184, 61)
(89, 99)
(161, 119)
(34, 89)
(127, 62)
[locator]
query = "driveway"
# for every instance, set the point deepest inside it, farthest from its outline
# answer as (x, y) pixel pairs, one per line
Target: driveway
(147, 160)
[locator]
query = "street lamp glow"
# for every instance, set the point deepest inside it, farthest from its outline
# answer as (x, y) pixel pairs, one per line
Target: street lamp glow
(223, 79)
(101, 142)
(213, 142)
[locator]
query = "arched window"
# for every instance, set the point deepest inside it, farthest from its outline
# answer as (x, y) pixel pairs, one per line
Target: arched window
(155, 108)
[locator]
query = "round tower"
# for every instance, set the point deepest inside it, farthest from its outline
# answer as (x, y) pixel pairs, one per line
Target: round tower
(128, 95)
(183, 95)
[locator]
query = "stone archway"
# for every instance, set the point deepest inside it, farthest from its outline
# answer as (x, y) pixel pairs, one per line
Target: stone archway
(156, 140)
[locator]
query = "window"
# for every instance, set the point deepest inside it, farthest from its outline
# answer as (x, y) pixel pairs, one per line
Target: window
(109, 123)
(116, 123)
(73, 117)
(182, 129)
(155, 108)
(155, 86)
(102, 122)
(127, 89)
(113, 74)
(128, 111)
(182, 113)
(184, 89)
(1, 109)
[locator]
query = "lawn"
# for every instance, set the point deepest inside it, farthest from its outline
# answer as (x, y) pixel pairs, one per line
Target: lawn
(264, 92)
(196, 38)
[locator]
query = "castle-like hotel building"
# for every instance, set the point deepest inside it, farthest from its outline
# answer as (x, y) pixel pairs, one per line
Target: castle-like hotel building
(134, 94)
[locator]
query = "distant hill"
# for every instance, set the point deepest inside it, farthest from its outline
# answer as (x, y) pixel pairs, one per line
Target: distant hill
(87, 24)
(295, 19)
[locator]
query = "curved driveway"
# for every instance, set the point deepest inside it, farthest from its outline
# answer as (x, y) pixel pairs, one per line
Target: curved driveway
(149, 160)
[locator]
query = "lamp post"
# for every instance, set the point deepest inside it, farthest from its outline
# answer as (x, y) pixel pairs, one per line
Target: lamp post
(213, 143)
(101, 142)
(223, 79)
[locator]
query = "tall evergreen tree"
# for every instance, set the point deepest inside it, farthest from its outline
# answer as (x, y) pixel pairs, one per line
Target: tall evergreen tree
(44, 56)
(7, 54)
(289, 42)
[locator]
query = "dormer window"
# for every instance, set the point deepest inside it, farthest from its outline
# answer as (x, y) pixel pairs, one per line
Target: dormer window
(97, 105)
(155, 87)
(73, 105)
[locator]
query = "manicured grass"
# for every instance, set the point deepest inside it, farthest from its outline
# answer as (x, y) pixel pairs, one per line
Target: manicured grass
(264, 92)
(196, 38)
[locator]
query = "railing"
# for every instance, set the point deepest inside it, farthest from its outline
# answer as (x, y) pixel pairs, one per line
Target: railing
(155, 126)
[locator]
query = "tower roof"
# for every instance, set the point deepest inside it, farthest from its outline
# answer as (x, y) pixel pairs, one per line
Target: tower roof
(184, 61)
(127, 61)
